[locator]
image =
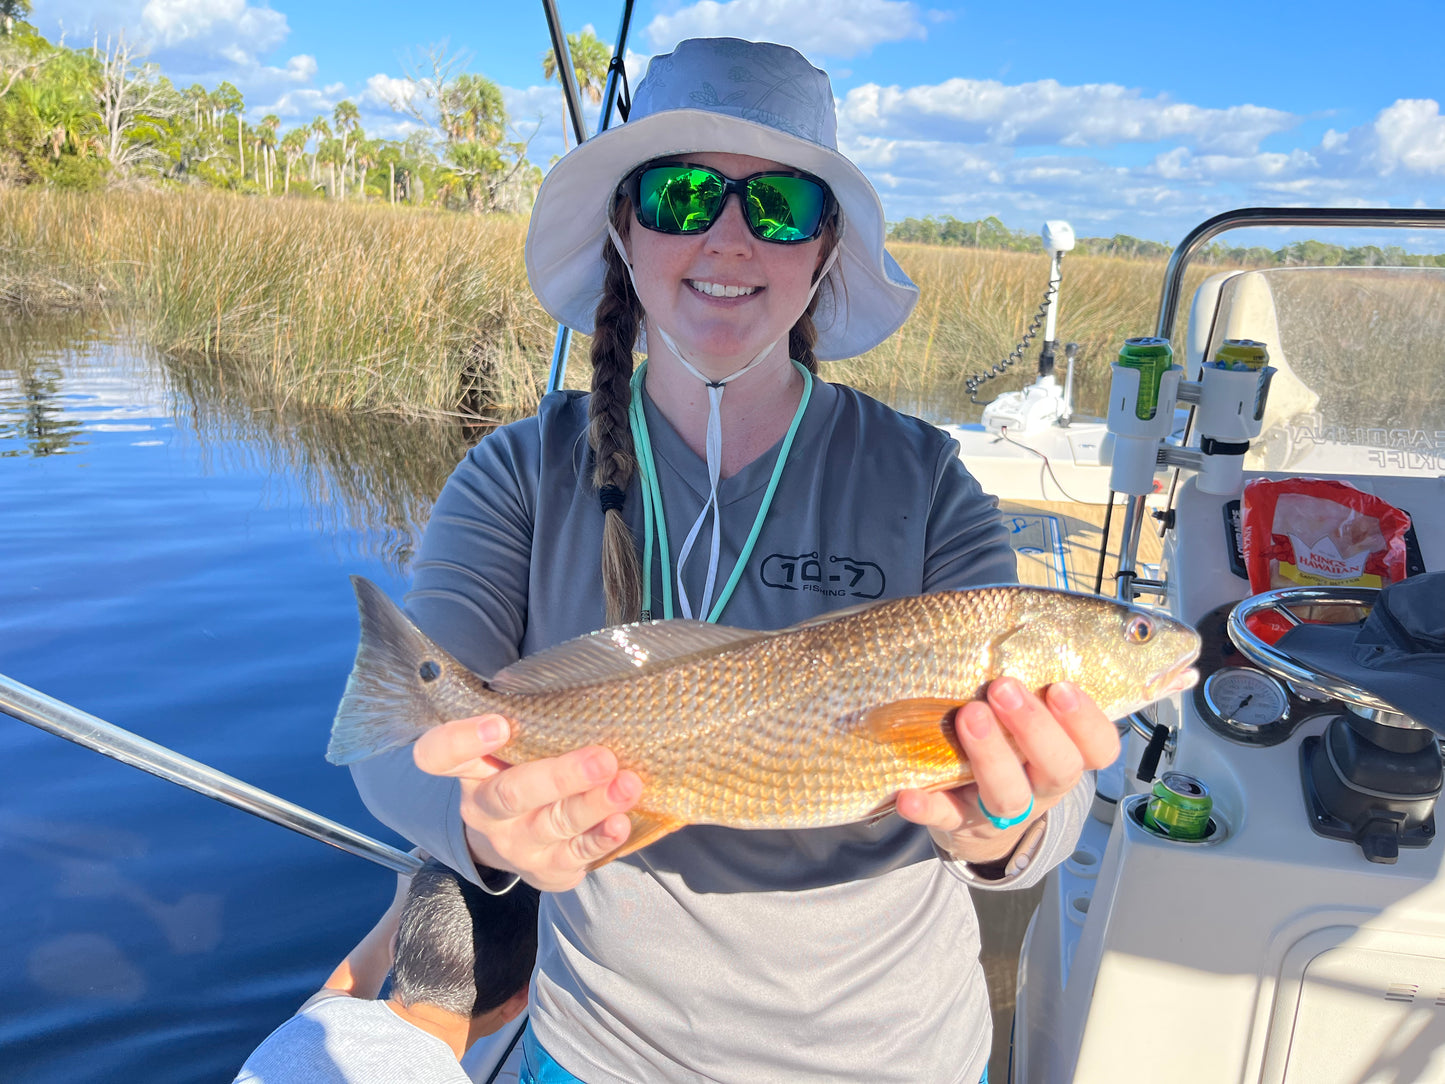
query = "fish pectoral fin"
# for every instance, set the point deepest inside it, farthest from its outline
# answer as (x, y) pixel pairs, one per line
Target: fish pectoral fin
(920, 731)
(646, 828)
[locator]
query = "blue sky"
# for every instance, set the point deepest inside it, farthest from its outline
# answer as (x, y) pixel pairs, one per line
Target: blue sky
(1139, 118)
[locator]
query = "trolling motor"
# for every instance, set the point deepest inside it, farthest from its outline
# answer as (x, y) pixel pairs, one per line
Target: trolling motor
(1042, 403)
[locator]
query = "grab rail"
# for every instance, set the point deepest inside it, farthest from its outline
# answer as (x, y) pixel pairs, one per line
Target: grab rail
(563, 343)
(59, 718)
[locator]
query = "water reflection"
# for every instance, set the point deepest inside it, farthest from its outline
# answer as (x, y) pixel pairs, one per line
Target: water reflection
(366, 478)
(355, 471)
(33, 418)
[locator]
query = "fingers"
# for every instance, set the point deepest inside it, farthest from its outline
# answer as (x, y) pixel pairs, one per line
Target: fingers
(537, 783)
(462, 746)
(1091, 731)
(546, 819)
(1022, 750)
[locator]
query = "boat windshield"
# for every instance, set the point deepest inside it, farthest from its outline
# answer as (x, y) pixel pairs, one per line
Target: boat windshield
(1360, 353)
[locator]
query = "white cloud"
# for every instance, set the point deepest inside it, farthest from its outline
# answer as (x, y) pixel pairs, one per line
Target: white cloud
(1405, 141)
(835, 28)
(1180, 165)
(1047, 112)
(1410, 135)
(388, 92)
(301, 68)
(302, 103)
(220, 24)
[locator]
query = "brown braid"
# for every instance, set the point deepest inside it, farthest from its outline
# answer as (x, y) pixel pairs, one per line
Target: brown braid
(618, 316)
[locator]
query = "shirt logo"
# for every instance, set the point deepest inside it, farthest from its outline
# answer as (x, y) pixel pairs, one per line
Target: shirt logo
(837, 575)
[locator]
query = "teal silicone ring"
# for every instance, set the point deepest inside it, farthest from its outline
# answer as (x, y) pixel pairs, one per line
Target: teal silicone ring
(1006, 822)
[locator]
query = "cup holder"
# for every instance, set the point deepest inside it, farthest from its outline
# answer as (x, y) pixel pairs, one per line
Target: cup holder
(1217, 831)
(1082, 863)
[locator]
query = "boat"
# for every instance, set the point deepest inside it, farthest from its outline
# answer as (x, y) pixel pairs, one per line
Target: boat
(1299, 934)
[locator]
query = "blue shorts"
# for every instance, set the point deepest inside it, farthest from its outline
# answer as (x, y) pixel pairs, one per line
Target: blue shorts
(539, 1067)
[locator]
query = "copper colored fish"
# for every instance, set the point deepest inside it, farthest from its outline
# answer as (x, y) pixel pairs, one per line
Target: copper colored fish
(819, 724)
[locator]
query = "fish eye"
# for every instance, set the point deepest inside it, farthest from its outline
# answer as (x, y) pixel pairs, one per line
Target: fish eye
(429, 671)
(1138, 629)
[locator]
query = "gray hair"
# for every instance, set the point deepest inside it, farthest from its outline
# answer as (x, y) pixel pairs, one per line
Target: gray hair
(461, 949)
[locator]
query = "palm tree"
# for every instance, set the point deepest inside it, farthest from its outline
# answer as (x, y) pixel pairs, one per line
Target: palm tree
(347, 117)
(321, 131)
(590, 58)
(199, 97)
(10, 10)
(472, 110)
(293, 146)
(266, 140)
(367, 157)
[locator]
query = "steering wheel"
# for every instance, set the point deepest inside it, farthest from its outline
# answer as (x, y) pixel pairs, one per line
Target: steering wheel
(1280, 663)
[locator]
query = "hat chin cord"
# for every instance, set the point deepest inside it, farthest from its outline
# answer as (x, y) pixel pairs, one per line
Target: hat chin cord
(715, 389)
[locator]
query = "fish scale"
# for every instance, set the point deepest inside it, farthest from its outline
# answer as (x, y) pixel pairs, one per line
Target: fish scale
(816, 725)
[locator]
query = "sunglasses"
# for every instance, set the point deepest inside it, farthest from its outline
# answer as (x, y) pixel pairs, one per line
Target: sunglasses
(785, 208)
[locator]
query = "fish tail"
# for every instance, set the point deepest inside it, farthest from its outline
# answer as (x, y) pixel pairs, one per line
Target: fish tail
(386, 705)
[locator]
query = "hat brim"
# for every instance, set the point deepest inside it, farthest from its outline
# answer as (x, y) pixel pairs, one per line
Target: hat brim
(569, 223)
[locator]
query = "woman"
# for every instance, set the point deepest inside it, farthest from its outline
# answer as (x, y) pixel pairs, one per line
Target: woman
(721, 231)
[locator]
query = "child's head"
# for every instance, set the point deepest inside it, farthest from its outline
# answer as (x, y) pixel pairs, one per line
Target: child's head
(463, 950)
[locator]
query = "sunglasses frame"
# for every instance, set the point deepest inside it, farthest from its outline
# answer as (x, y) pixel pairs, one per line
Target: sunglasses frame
(632, 184)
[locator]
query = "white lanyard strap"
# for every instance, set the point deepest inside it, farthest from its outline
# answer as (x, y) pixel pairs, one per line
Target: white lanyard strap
(713, 442)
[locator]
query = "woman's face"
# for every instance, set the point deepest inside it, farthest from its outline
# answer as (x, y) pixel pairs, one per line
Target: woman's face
(680, 277)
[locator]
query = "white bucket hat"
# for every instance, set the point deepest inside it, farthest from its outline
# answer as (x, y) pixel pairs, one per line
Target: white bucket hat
(720, 95)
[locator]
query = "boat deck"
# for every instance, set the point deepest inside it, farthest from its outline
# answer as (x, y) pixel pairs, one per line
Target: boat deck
(1058, 542)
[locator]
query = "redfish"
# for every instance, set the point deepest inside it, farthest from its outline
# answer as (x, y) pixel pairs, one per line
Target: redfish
(819, 724)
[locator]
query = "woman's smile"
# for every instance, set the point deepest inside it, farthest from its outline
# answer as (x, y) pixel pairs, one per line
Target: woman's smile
(719, 290)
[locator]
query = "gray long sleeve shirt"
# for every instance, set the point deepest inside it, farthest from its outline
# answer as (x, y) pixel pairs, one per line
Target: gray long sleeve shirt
(715, 954)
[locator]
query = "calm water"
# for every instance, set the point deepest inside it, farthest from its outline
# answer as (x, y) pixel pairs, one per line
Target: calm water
(174, 560)
(177, 567)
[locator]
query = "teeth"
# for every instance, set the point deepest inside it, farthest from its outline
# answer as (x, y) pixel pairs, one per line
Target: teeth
(717, 289)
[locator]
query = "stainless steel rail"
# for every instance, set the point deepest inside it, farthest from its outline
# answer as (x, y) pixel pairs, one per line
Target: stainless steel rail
(566, 73)
(1336, 217)
(55, 716)
(563, 343)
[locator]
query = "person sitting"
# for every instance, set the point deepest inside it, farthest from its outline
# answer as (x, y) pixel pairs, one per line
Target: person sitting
(462, 962)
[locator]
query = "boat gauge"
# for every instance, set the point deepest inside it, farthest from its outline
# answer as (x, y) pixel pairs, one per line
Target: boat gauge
(1244, 699)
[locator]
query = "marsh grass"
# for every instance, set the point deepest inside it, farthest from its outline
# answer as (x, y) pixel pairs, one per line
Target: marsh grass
(974, 307)
(372, 309)
(355, 308)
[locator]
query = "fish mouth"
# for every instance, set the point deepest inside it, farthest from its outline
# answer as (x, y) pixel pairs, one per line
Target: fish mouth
(1174, 680)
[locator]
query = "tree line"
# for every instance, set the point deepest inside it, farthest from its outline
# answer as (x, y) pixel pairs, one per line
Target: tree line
(992, 234)
(84, 118)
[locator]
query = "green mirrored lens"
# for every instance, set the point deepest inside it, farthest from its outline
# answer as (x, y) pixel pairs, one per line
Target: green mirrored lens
(686, 199)
(784, 208)
(676, 199)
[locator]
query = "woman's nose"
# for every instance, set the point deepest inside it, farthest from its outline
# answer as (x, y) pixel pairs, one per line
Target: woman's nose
(730, 233)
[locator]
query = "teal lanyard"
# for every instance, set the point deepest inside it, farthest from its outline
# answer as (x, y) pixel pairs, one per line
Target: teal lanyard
(654, 523)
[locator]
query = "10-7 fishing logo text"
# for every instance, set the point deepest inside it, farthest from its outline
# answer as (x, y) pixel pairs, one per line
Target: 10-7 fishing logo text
(833, 575)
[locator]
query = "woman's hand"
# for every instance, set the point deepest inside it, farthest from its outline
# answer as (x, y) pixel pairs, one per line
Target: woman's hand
(1057, 740)
(547, 820)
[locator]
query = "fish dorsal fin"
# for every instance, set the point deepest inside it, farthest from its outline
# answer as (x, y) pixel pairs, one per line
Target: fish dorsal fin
(920, 731)
(834, 615)
(621, 651)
